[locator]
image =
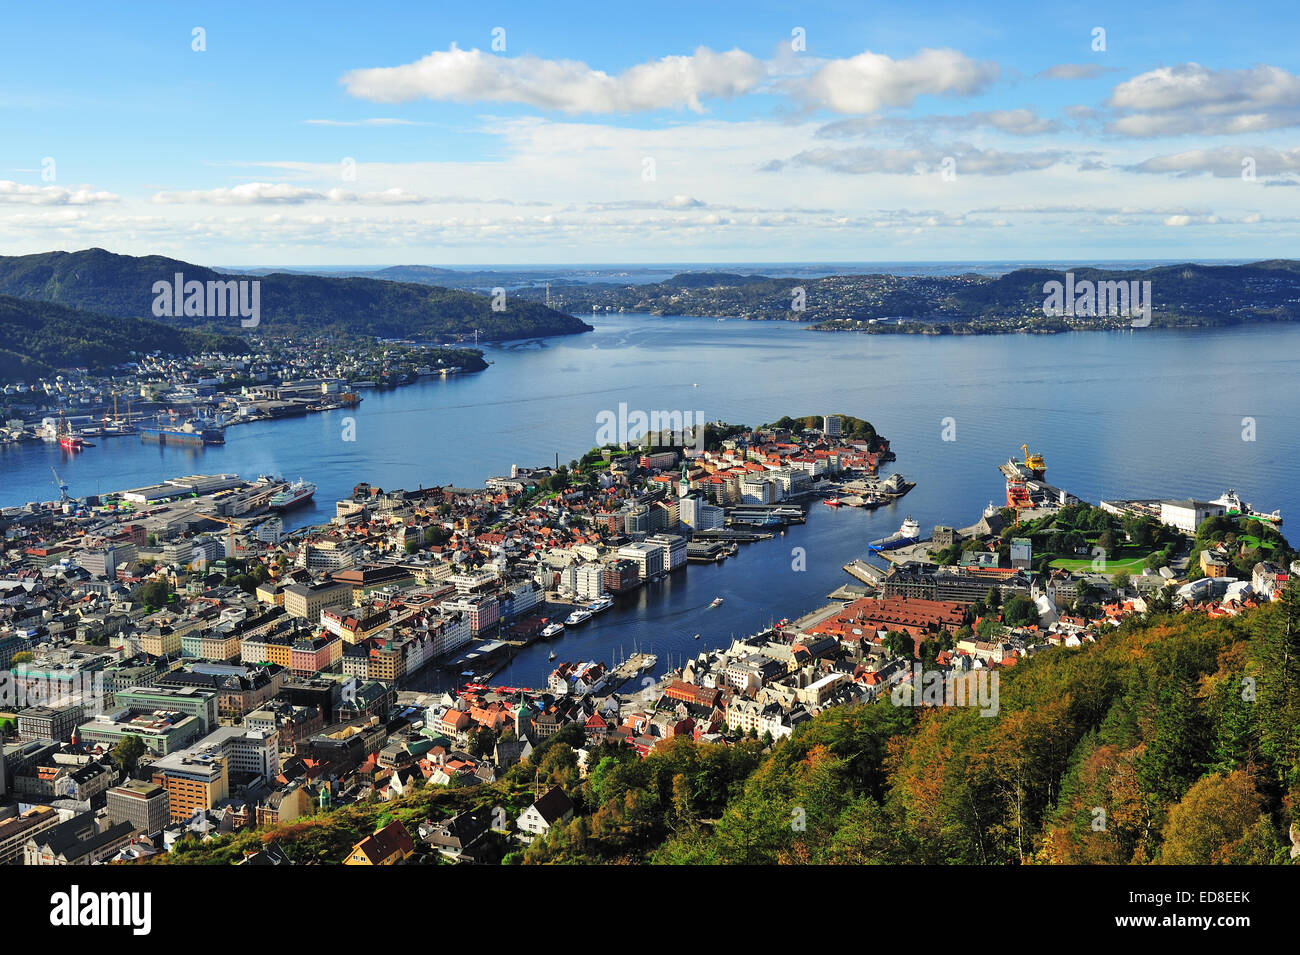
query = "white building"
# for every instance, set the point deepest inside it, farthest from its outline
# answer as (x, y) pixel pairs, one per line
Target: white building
(246, 750)
(554, 808)
(700, 515)
(648, 557)
(590, 581)
(674, 549)
(758, 490)
(1187, 515)
(270, 531)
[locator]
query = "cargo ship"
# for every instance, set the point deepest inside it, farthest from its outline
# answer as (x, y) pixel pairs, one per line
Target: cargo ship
(1019, 474)
(190, 434)
(1236, 507)
(67, 440)
(296, 494)
(908, 533)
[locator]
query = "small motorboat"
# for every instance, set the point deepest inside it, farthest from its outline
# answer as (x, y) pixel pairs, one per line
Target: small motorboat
(717, 601)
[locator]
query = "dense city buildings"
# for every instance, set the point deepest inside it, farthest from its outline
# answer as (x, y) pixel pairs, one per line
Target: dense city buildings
(211, 700)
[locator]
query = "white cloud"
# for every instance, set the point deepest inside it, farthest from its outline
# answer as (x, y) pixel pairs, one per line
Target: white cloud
(674, 202)
(1073, 71)
(1223, 162)
(912, 160)
(277, 194)
(870, 82)
(15, 193)
(245, 194)
(570, 86)
(1191, 98)
(1014, 122)
(385, 197)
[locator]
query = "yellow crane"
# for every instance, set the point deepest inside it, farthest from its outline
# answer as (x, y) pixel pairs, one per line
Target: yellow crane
(1034, 462)
(230, 532)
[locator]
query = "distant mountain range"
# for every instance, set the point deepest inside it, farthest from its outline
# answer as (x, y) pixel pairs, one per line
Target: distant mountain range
(290, 303)
(1185, 294)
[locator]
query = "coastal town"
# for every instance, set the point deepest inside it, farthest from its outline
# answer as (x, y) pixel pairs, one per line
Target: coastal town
(191, 400)
(179, 672)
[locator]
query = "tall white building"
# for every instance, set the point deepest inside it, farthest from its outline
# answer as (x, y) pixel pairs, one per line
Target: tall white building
(590, 581)
(674, 549)
(699, 515)
(758, 490)
(648, 557)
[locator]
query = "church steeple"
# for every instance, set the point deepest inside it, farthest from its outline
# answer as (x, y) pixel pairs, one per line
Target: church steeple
(521, 717)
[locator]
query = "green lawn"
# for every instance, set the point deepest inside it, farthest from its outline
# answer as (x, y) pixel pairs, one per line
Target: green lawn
(1132, 565)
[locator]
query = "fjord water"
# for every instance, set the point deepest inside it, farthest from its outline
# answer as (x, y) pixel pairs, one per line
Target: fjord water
(1144, 413)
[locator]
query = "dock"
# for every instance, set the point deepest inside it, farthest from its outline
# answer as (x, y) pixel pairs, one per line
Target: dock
(629, 668)
(867, 573)
(920, 551)
(889, 488)
(766, 515)
(848, 593)
(743, 537)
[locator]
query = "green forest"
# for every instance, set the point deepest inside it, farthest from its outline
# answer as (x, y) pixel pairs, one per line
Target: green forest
(851, 428)
(291, 303)
(39, 338)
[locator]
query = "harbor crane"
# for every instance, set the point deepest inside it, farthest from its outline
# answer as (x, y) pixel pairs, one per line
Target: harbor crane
(62, 485)
(1034, 462)
(230, 531)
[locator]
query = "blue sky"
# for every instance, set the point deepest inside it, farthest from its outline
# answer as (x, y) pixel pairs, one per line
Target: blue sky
(331, 133)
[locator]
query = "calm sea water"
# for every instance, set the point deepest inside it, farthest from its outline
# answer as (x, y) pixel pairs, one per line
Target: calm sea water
(1116, 414)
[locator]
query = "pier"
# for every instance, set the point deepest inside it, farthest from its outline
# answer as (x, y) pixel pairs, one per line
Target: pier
(629, 668)
(867, 573)
(729, 534)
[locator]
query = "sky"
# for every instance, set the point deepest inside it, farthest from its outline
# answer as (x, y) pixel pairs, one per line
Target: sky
(379, 133)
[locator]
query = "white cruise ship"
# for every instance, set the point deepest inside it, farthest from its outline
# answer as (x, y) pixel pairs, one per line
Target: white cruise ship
(297, 493)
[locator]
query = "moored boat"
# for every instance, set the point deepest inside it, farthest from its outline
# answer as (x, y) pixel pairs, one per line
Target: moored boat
(908, 533)
(296, 494)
